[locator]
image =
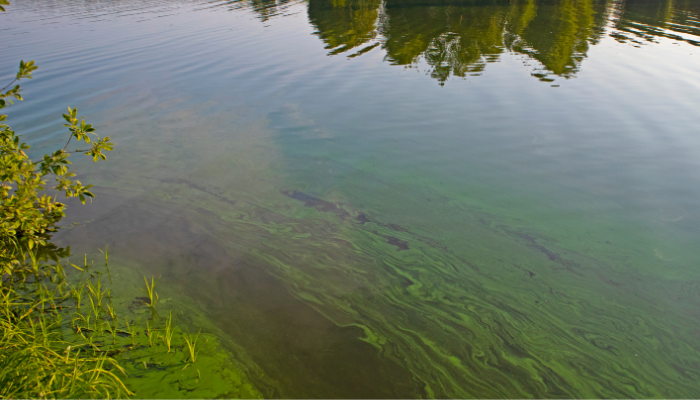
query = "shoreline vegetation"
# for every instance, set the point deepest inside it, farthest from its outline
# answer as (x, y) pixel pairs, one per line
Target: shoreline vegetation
(60, 330)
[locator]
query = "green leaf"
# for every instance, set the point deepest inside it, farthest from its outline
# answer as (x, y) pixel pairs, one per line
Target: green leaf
(76, 267)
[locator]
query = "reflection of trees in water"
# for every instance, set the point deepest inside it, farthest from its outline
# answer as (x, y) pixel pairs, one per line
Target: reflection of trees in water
(456, 38)
(640, 21)
(559, 35)
(452, 39)
(265, 9)
(460, 37)
(345, 24)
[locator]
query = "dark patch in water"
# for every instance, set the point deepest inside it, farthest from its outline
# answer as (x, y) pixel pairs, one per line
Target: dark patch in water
(567, 264)
(395, 227)
(320, 205)
(523, 269)
(139, 302)
(326, 206)
(189, 184)
(394, 241)
(402, 245)
(362, 218)
(144, 300)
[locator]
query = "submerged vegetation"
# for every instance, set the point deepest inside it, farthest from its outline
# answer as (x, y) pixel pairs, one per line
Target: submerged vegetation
(50, 348)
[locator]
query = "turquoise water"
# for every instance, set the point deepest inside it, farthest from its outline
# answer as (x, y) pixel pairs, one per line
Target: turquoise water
(392, 199)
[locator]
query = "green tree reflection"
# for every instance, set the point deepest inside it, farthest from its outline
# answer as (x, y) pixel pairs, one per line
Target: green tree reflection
(451, 38)
(457, 38)
(345, 24)
(646, 21)
(560, 34)
(265, 9)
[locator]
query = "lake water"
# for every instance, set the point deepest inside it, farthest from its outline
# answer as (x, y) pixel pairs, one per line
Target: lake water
(398, 198)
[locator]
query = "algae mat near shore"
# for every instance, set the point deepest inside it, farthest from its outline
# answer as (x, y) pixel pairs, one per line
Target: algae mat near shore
(520, 316)
(487, 307)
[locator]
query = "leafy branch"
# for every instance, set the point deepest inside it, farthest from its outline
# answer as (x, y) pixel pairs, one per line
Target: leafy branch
(27, 216)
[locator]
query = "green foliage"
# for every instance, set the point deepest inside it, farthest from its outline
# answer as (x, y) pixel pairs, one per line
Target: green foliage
(191, 341)
(52, 347)
(48, 347)
(40, 356)
(79, 129)
(28, 214)
(151, 293)
(59, 334)
(168, 331)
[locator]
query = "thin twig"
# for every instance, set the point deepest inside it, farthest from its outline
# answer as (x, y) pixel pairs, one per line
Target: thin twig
(64, 147)
(10, 84)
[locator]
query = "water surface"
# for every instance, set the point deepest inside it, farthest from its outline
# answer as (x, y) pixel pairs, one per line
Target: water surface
(394, 198)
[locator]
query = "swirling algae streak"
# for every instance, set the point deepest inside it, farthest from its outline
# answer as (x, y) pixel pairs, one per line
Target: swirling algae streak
(502, 316)
(464, 336)
(508, 314)
(493, 311)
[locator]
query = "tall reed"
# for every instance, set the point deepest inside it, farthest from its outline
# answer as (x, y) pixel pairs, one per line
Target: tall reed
(168, 331)
(191, 342)
(36, 360)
